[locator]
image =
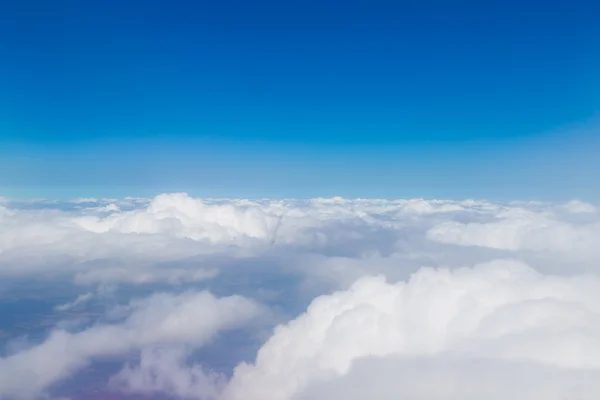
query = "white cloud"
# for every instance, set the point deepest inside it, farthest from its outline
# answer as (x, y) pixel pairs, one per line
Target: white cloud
(520, 229)
(503, 313)
(216, 223)
(85, 200)
(183, 216)
(188, 319)
(81, 299)
(531, 318)
(103, 243)
(454, 378)
(576, 206)
(164, 370)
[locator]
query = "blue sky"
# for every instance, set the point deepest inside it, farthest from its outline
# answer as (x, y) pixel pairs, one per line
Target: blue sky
(299, 99)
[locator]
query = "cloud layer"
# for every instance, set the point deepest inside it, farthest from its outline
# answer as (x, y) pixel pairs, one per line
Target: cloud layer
(406, 298)
(129, 241)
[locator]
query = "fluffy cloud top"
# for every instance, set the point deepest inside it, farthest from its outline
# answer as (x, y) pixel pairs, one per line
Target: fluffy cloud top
(434, 331)
(129, 241)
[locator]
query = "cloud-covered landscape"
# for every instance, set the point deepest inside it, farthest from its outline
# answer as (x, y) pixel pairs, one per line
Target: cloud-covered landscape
(176, 297)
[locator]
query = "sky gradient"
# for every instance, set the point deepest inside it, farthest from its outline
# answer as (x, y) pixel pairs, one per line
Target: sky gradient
(299, 99)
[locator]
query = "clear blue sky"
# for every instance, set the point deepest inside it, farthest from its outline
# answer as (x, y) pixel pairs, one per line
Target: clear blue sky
(447, 99)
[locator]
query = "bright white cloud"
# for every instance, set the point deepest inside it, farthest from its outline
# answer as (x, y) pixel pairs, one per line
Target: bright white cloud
(503, 313)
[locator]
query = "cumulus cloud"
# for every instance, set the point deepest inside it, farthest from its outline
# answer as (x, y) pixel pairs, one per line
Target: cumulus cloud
(423, 338)
(189, 319)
